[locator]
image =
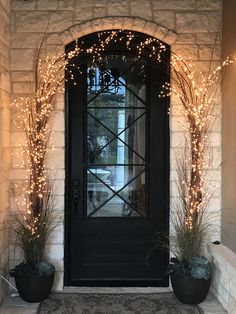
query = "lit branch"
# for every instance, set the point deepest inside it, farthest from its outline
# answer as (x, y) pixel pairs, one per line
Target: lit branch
(36, 110)
(197, 94)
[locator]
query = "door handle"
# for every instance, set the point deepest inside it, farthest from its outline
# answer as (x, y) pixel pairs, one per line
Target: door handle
(76, 196)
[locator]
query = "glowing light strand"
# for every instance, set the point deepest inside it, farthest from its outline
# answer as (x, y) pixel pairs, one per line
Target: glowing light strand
(197, 94)
(34, 113)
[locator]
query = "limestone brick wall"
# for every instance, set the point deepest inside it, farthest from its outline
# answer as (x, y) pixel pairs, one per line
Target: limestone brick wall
(189, 26)
(4, 137)
(224, 280)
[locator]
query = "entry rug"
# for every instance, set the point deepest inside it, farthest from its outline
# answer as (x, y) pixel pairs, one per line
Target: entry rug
(89, 303)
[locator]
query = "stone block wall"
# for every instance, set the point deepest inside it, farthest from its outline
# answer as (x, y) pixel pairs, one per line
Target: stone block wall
(224, 280)
(4, 138)
(189, 26)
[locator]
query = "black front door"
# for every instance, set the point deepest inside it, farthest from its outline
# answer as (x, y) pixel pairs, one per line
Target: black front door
(117, 183)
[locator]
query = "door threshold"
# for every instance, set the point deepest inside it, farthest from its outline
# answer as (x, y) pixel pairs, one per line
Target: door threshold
(71, 289)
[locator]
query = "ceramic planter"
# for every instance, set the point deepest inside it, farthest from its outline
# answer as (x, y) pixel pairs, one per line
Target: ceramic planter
(189, 290)
(34, 288)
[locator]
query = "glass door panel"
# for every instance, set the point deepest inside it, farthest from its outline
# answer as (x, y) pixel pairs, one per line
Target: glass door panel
(109, 80)
(116, 137)
(116, 191)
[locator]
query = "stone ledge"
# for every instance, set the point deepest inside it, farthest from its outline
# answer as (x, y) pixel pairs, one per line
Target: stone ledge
(224, 278)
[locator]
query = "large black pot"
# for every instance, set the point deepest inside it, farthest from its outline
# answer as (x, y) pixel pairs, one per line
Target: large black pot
(34, 288)
(189, 290)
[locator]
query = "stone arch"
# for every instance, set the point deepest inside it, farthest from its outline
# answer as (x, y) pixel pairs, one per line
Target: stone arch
(131, 23)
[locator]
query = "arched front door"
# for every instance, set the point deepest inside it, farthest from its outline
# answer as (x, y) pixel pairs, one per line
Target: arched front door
(117, 165)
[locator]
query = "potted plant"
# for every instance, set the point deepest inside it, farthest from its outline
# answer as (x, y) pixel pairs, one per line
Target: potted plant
(34, 276)
(190, 271)
(36, 217)
(195, 93)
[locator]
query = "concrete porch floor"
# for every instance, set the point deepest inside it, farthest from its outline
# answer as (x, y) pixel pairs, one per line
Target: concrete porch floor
(15, 305)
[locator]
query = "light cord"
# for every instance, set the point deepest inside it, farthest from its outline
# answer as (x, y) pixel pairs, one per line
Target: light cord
(8, 282)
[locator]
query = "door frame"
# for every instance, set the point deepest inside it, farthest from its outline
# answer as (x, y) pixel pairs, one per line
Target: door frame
(166, 148)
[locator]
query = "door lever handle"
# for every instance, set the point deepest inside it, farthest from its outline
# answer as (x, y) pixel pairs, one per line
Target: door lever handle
(76, 196)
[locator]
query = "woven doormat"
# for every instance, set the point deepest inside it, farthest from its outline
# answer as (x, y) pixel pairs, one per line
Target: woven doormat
(102, 303)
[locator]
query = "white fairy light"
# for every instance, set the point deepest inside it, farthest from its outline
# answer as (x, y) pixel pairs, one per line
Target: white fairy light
(35, 111)
(196, 92)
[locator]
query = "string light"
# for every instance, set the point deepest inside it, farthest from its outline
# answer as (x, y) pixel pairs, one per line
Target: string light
(195, 90)
(197, 94)
(35, 111)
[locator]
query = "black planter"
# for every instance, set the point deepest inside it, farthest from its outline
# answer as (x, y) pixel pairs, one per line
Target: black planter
(189, 290)
(34, 288)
